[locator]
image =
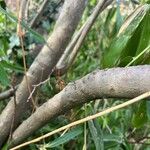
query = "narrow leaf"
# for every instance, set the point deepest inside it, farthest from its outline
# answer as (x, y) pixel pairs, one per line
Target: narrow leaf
(119, 44)
(3, 76)
(95, 136)
(65, 138)
(140, 116)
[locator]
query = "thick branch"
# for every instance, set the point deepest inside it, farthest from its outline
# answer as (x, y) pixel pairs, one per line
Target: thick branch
(44, 63)
(112, 83)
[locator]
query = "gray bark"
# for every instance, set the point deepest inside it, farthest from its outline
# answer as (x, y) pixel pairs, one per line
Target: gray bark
(43, 64)
(112, 83)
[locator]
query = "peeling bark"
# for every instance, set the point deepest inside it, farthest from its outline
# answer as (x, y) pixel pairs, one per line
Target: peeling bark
(112, 83)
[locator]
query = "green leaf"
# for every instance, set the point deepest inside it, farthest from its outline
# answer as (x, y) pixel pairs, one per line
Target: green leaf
(123, 44)
(66, 137)
(96, 135)
(3, 76)
(11, 66)
(145, 51)
(145, 35)
(140, 115)
(112, 138)
(112, 141)
(144, 38)
(119, 19)
(148, 109)
(6, 146)
(2, 53)
(145, 1)
(3, 45)
(2, 4)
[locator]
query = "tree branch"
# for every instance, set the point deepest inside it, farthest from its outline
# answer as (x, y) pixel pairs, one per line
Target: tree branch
(72, 49)
(8, 93)
(98, 9)
(112, 83)
(44, 63)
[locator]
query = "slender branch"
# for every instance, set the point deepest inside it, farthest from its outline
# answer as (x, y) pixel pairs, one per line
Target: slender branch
(63, 60)
(107, 111)
(66, 61)
(99, 8)
(115, 83)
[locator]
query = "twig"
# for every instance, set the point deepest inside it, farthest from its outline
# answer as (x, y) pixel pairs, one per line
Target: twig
(140, 141)
(63, 60)
(35, 86)
(7, 94)
(139, 55)
(107, 111)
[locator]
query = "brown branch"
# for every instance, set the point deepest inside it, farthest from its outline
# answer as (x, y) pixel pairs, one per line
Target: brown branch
(44, 63)
(98, 9)
(112, 83)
